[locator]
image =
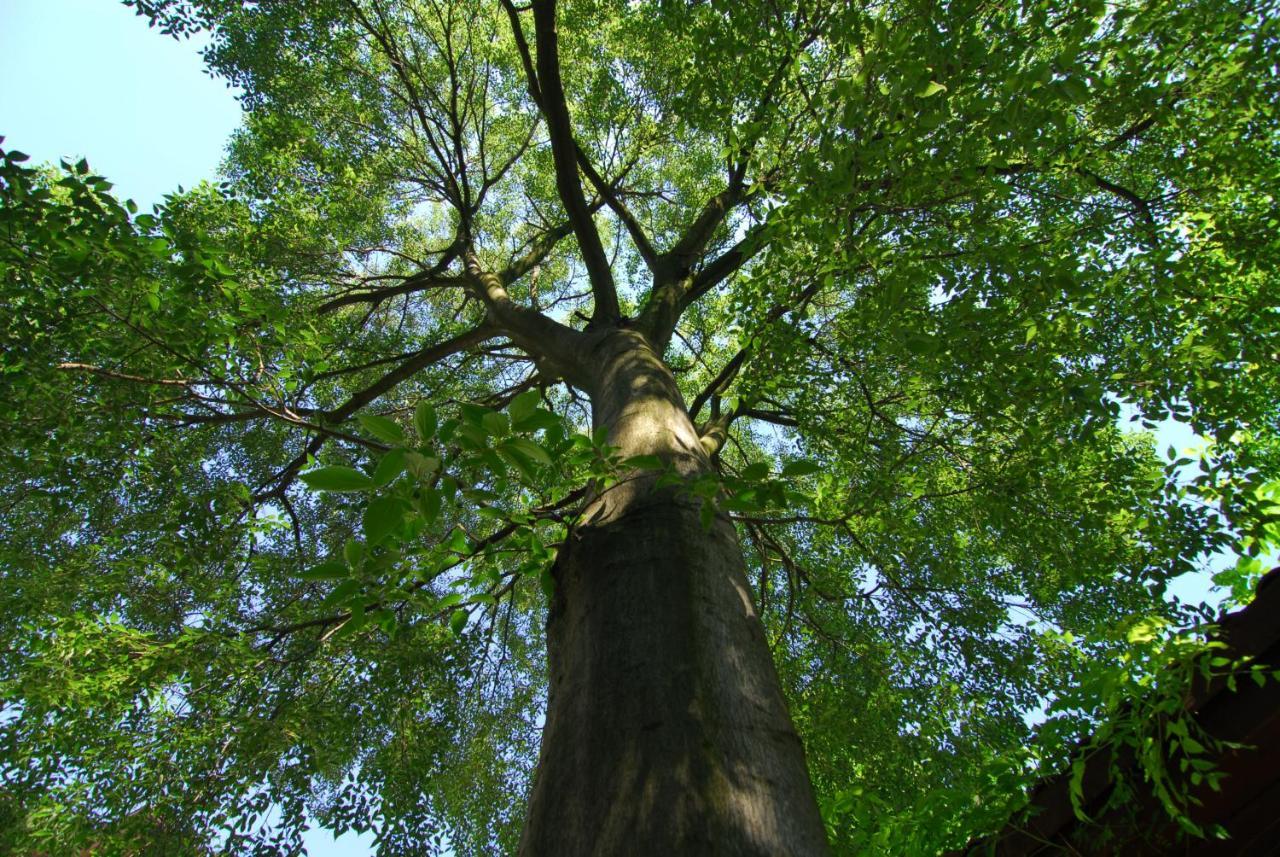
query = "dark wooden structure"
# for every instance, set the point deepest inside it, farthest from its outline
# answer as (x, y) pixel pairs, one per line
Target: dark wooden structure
(1247, 804)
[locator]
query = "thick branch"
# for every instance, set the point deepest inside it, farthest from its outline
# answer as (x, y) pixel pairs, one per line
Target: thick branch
(777, 418)
(424, 279)
(638, 236)
(692, 244)
(538, 250)
(383, 385)
(714, 433)
(434, 278)
(542, 337)
(721, 381)
(564, 153)
(670, 295)
(695, 239)
(724, 266)
(718, 426)
(1142, 208)
(121, 376)
(415, 283)
(409, 368)
(676, 289)
(526, 58)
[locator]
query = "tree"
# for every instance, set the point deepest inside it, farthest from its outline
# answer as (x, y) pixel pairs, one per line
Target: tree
(772, 354)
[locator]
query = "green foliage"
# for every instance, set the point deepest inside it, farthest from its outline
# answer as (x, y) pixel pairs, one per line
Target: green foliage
(282, 495)
(1149, 739)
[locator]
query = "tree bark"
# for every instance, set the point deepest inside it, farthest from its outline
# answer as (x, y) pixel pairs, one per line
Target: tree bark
(666, 729)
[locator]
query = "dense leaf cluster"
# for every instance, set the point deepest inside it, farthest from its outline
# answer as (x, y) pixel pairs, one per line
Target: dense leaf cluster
(286, 469)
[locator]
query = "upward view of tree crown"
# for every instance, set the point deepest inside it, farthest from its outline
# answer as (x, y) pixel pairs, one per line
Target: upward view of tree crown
(877, 291)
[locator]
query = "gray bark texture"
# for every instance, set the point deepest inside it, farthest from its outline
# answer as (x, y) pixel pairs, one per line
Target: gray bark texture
(666, 730)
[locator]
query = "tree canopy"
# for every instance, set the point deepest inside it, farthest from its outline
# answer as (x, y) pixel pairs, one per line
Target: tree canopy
(290, 457)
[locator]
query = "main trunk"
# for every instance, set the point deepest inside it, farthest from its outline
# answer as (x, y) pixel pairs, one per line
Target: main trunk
(666, 730)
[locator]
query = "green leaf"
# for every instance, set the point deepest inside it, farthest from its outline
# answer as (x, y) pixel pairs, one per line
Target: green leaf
(529, 449)
(421, 466)
(1075, 89)
(1076, 786)
(424, 421)
(495, 423)
(755, 471)
(357, 622)
(800, 467)
(451, 600)
(523, 406)
(744, 501)
(472, 414)
(458, 621)
(381, 517)
(1146, 630)
(385, 619)
(327, 570)
(472, 437)
(336, 478)
(930, 89)
(921, 343)
(447, 430)
(342, 592)
(522, 463)
(458, 542)
(428, 505)
(707, 514)
(538, 420)
(644, 462)
(383, 428)
(389, 467)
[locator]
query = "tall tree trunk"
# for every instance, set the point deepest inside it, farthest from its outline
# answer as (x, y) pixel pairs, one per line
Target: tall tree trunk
(666, 730)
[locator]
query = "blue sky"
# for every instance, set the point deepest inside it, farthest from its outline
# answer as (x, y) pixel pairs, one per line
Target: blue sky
(87, 78)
